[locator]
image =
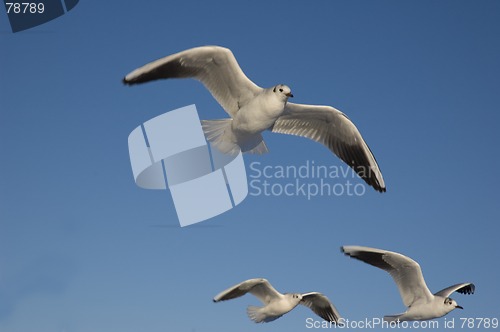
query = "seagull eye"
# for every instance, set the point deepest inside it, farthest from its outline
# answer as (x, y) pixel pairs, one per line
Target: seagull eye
(281, 90)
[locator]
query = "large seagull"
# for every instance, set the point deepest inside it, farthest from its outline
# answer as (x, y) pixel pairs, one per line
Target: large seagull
(254, 109)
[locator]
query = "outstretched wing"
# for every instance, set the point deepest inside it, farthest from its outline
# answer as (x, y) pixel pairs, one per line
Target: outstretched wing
(405, 271)
(321, 306)
(463, 288)
(332, 128)
(216, 67)
(259, 287)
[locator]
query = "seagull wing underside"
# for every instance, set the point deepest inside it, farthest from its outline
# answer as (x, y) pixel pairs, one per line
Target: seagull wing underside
(216, 67)
(463, 288)
(405, 271)
(321, 306)
(332, 128)
(259, 287)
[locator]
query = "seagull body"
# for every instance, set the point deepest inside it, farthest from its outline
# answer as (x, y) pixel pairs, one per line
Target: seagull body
(277, 304)
(244, 130)
(254, 109)
(421, 303)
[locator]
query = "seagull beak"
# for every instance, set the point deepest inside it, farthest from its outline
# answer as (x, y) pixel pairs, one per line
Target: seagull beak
(289, 95)
(459, 307)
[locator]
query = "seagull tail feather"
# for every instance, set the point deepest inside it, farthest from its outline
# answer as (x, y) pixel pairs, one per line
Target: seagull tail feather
(255, 314)
(219, 134)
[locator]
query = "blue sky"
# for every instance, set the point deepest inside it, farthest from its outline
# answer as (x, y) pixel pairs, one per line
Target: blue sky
(82, 248)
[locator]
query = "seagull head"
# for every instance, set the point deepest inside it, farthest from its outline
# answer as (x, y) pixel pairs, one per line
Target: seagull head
(283, 90)
(451, 304)
(296, 297)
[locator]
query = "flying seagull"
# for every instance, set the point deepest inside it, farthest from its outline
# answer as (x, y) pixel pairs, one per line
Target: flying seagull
(253, 110)
(277, 304)
(421, 303)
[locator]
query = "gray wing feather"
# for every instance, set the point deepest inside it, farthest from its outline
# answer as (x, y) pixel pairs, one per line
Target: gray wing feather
(214, 66)
(332, 128)
(259, 287)
(321, 306)
(463, 288)
(406, 273)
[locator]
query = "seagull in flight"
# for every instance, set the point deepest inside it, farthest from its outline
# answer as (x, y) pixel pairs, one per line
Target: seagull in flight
(421, 303)
(277, 304)
(253, 109)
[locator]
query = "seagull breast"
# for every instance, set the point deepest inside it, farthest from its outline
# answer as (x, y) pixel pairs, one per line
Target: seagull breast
(259, 114)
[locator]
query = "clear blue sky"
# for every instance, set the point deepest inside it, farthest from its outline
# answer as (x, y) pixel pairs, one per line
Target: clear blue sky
(83, 249)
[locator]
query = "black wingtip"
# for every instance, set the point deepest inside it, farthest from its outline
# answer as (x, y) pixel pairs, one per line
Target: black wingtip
(472, 288)
(468, 289)
(376, 185)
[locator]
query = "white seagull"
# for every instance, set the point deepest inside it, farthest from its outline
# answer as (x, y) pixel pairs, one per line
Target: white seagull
(277, 304)
(421, 303)
(254, 110)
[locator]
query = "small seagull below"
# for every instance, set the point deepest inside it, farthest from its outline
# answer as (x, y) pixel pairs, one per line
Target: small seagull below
(421, 303)
(277, 304)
